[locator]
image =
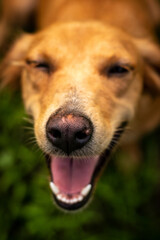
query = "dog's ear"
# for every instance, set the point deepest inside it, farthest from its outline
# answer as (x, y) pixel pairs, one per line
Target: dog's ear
(13, 63)
(150, 53)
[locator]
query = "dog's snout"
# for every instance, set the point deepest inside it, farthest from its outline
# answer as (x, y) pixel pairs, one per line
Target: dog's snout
(69, 132)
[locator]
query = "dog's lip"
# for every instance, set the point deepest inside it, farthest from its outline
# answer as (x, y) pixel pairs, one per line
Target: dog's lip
(101, 160)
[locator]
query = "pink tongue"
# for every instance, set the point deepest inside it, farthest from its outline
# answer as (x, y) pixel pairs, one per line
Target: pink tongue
(71, 175)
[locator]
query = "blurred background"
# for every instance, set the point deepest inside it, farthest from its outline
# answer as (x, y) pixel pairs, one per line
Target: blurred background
(126, 203)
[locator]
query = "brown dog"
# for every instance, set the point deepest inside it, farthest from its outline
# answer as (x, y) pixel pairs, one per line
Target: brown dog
(94, 70)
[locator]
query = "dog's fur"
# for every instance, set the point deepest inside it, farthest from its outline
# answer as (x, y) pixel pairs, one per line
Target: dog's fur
(86, 39)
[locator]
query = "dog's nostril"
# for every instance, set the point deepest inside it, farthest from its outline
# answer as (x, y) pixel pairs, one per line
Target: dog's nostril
(82, 135)
(55, 133)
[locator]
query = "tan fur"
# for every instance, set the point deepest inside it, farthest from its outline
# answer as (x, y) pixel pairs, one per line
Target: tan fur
(84, 38)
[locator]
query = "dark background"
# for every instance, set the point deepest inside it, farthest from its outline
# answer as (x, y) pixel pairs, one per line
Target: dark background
(126, 203)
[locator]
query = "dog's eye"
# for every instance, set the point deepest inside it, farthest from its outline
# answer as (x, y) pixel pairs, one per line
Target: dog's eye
(43, 66)
(117, 70)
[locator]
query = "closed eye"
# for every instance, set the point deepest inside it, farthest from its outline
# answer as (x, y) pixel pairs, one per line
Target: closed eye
(117, 70)
(41, 65)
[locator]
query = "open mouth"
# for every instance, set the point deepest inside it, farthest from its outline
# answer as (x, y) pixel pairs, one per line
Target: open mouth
(73, 178)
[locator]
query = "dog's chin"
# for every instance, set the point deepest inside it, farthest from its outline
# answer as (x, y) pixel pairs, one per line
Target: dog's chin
(73, 178)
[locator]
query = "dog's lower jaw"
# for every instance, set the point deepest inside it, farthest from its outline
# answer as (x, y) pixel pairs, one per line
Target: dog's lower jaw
(75, 196)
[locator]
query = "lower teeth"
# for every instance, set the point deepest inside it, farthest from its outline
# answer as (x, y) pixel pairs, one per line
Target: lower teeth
(69, 201)
(74, 199)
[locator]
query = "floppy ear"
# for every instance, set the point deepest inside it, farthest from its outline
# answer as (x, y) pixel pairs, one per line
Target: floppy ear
(12, 64)
(150, 53)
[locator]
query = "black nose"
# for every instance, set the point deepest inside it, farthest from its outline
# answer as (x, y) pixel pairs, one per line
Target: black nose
(69, 132)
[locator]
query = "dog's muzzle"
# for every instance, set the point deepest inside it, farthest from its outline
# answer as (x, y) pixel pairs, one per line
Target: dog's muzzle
(72, 175)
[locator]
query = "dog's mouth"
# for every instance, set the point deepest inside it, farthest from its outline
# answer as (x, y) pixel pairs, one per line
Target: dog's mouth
(73, 178)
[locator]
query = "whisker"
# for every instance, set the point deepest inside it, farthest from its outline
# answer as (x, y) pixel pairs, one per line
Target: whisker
(32, 138)
(30, 142)
(26, 127)
(29, 120)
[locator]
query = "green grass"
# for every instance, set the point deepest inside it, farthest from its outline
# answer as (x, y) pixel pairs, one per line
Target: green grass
(125, 205)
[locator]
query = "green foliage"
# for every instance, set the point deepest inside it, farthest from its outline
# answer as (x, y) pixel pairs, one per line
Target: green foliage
(125, 204)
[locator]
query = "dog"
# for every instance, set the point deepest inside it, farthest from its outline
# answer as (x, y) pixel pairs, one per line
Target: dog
(90, 70)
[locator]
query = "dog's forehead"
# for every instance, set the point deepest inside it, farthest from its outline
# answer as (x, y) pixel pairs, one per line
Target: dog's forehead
(91, 39)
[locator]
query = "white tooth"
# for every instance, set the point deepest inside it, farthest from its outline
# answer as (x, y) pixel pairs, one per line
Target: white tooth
(71, 201)
(67, 200)
(59, 197)
(54, 188)
(74, 200)
(63, 199)
(86, 190)
(80, 198)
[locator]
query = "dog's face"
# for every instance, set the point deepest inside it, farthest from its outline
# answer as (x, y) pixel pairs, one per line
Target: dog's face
(81, 83)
